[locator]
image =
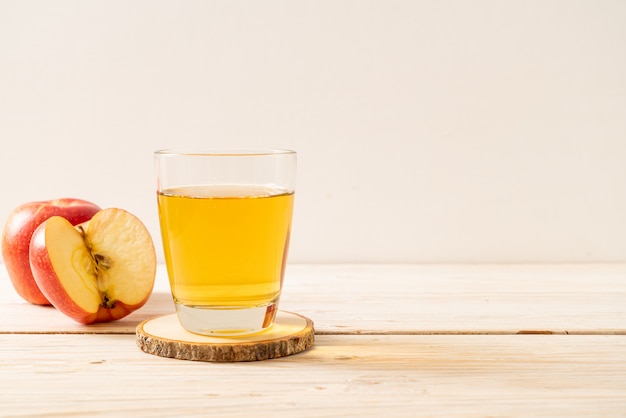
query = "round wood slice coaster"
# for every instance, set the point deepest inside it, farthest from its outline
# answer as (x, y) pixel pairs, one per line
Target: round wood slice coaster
(165, 337)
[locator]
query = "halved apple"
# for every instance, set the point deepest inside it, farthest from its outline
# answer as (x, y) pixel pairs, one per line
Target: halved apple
(100, 270)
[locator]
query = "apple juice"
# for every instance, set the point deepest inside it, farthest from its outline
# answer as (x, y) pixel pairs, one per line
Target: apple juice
(226, 245)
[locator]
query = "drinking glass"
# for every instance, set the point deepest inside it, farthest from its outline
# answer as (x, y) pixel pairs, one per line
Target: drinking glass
(225, 219)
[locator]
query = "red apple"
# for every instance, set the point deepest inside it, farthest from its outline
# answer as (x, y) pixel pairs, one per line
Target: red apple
(100, 270)
(18, 231)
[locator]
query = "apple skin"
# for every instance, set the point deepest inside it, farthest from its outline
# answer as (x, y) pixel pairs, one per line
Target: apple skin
(17, 234)
(51, 285)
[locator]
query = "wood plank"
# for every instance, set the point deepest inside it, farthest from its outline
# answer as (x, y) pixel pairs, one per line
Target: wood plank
(404, 299)
(460, 299)
(425, 375)
(20, 317)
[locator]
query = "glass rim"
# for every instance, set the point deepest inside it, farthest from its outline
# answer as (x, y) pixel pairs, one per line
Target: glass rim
(234, 152)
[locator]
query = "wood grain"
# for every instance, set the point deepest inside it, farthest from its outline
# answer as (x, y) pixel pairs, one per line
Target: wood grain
(353, 376)
(391, 340)
(165, 337)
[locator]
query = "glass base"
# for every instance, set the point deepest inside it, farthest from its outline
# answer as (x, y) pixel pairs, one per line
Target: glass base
(217, 321)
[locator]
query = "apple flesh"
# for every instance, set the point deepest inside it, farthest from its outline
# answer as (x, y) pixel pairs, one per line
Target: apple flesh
(17, 233)
(100, 270)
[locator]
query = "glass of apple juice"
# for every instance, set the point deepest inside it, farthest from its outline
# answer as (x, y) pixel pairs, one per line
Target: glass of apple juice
(225, 218)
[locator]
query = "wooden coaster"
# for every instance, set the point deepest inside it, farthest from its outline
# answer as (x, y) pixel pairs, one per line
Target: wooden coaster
(165, 337)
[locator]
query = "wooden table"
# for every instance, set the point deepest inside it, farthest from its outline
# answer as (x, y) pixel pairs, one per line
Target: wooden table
(391, 340)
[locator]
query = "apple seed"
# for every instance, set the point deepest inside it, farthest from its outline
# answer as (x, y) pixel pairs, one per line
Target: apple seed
(106, 302)
(101, 263)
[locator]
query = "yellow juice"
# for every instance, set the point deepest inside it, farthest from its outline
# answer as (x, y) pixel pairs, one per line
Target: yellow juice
(225, 246)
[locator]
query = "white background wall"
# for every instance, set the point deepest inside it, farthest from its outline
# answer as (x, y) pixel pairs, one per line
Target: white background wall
(427, 131)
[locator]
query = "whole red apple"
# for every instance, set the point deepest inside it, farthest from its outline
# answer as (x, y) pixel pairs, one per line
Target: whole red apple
(17, 234)
(100, 270)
